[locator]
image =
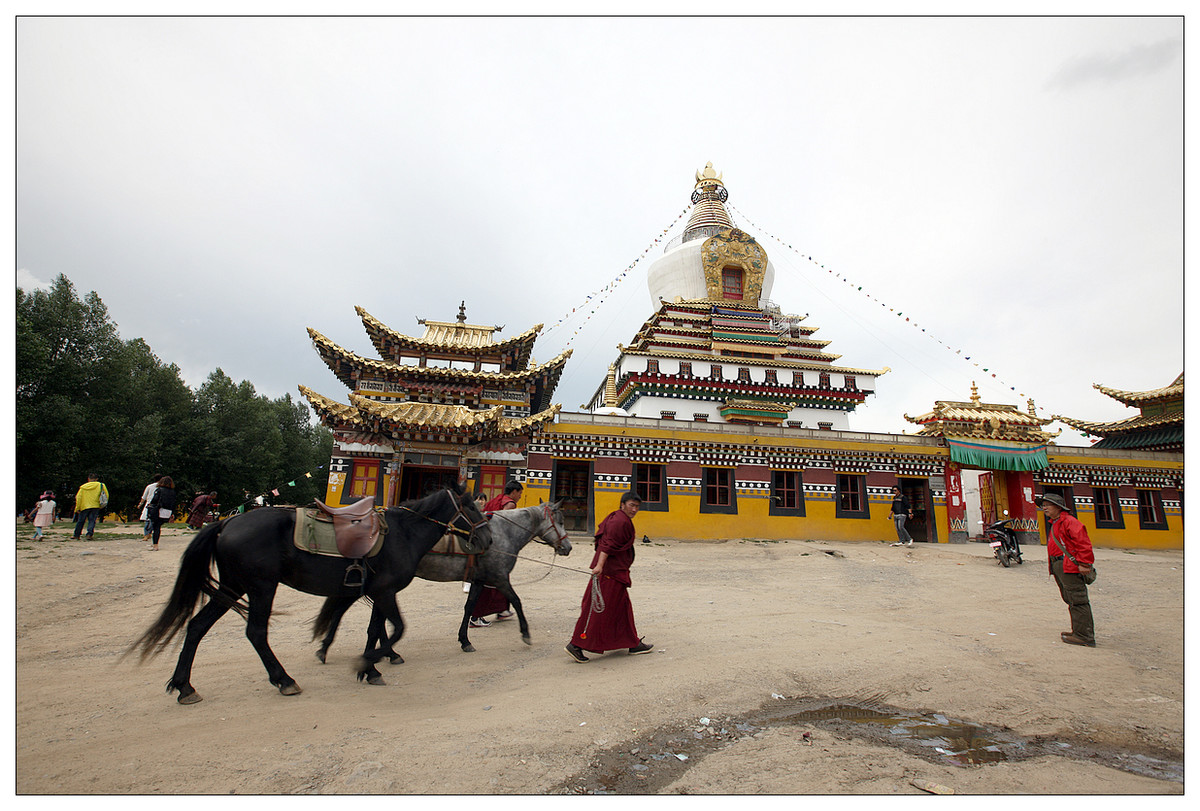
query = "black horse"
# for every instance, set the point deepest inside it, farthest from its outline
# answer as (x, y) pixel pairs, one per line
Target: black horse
(511, 531)
(254, 553)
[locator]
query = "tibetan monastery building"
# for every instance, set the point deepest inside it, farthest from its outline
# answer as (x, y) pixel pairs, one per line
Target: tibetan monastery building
(731, 419)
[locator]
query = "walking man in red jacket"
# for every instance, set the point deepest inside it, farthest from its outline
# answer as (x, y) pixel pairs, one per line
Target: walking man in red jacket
(1066, 533)
(607, 623)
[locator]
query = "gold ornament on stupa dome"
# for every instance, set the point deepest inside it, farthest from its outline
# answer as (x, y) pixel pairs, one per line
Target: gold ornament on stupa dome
(708, 176)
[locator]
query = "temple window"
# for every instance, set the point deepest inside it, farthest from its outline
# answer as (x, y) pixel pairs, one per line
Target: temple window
(743, 375)
(852, 496)
(652, 366)
(850, 383)
(715, 372)
(771, 378)
(685, 368)
(666, 415)
(787, 493)
(824, 380)
(731, 283)
(716, 493)
(1108, 509)
(650, 482)
(699, 417)
(365, 478)
(1150, 510)
(797, 378)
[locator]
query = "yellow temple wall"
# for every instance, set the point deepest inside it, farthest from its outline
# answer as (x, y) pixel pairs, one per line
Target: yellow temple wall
(616, 439)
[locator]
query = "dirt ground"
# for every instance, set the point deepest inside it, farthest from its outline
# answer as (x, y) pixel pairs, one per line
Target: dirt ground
(754, 642)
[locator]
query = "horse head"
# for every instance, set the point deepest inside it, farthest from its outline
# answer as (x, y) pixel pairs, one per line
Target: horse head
(468, 520)
(551, 529)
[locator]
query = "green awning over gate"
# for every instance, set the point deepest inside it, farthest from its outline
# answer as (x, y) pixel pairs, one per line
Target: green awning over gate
(997, 455)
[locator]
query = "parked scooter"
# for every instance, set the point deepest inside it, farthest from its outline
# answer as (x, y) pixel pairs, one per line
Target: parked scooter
(1003, 540)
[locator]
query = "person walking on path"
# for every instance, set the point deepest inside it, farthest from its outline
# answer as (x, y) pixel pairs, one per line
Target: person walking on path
(899, 514)
(201, 506)
(44, 514)
(491, 600)
(161, 508)
(606, 615)
(91, 497)
(1068, 536)
(144, 505)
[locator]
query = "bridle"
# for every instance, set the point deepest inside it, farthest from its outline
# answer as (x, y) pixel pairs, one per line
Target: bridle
(547, 514)
(450, 526)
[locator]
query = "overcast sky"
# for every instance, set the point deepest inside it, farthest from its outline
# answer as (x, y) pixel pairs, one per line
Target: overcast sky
(1013, 186)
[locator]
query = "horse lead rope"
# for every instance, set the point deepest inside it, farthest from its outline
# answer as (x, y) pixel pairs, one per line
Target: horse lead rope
(597, 606)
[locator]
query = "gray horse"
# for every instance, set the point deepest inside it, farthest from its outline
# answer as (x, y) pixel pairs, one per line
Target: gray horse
(511, 531)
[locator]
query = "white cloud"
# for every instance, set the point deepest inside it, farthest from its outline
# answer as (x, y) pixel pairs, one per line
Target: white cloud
(28, 282)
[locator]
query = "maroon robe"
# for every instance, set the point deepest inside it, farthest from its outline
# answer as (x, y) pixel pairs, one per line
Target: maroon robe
(612, 628)
(492, 600)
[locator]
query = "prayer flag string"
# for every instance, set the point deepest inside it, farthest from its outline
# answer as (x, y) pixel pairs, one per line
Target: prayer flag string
(987, 370)
(594, 300)
(274, 491)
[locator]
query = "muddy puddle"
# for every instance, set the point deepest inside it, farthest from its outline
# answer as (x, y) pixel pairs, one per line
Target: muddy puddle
(655, 760)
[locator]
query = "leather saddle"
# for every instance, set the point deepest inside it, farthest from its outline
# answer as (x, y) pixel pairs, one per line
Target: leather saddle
(357, 529)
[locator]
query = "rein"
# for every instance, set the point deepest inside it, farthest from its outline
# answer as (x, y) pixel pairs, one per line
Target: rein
(449, 525)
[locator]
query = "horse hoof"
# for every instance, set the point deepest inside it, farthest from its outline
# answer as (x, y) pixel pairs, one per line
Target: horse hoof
(375, 680)
(191, 698)
(321, 656)
(292, 689)
(397, 659)
(468, 648)
(526, 639)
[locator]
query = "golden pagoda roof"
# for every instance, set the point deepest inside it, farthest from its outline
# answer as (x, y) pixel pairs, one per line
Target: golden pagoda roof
(760, 405)
(342, 362)
(446, 338)
(366, 413)
(1138, 398)
(982, 420)
(1139, 423)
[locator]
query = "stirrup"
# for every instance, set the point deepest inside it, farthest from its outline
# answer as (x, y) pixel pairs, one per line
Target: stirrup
(356, 575)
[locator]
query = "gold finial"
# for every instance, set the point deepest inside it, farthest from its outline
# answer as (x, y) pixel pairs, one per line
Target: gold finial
(708, 175)
(610, 386)
(1032, 410)
(974, 393)
(462, 312)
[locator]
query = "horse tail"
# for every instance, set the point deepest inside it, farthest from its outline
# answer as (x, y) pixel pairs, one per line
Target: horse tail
(194, 579)
(324, 619)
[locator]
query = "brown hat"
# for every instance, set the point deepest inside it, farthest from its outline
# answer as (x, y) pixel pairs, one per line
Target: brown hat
(1053, 498)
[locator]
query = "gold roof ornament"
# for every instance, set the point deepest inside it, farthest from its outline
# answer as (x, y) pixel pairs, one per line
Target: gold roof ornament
(709, 216)
(708, 176)
(979, 420)
(610, 386)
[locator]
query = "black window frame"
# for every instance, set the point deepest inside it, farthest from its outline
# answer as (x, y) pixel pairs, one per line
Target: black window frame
(778, 503)
(859, 490)
(1118, 519)
(706, 475)
(1156, 504)
(642, 486)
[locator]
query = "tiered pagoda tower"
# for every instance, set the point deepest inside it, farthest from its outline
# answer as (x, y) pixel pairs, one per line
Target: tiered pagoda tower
(717, 349)
(453, 404)
(1159, 426)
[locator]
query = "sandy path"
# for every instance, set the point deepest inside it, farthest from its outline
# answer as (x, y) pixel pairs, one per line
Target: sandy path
(938, 629)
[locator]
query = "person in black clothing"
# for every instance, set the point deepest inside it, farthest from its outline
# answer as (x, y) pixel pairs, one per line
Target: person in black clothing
(161, 508)
(899, 513)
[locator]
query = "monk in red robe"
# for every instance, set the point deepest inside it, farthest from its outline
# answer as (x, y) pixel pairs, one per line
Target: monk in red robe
(611, 628)
(491, 600)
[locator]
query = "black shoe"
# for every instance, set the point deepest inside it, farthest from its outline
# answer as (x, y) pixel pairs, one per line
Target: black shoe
(1071, 639)
(576, 653)
(641, 647)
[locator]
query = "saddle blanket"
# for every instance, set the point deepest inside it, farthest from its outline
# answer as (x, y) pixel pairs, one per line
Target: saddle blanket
(314, 533)
(450, 544)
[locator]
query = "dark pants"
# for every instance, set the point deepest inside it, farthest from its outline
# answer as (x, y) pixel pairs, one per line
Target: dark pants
(89, 515)
(157, 528)
(1075, 594)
